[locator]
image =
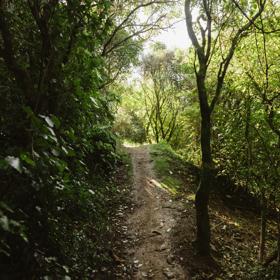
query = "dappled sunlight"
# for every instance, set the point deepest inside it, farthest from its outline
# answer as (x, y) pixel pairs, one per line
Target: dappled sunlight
(139, 138)
(190, 197)
(167, 188)
(131, 145)
(225, 219)
(128, 144)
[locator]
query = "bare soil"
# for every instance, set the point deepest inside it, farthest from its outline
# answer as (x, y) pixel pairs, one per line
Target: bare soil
(150, 225)
(157, 229)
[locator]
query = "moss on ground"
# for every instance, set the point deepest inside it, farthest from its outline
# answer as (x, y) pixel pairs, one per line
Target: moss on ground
(171, 169)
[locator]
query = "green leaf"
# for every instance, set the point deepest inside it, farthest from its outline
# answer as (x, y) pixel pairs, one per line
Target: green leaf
(3, 164)
(26, 158)
(4, 223)
(56, 121)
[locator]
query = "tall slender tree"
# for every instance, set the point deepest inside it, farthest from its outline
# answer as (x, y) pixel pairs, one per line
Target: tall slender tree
(216, 32)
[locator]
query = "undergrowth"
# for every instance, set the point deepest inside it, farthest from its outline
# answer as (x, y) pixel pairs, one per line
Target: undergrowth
(68, 235)
(235, 232)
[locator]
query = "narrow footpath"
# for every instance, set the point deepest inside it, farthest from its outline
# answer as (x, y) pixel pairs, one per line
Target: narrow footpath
(151, 223)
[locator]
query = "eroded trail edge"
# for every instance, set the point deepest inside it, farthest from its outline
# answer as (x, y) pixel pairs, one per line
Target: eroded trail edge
(151, 223)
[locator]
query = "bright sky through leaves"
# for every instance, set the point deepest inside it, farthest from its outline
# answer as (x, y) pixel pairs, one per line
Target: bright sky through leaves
(175, 37)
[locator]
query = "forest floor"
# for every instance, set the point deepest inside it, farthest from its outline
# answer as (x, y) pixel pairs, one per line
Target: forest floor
(157, 227)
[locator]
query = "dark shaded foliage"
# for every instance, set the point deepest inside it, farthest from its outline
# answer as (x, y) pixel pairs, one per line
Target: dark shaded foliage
(56, 140)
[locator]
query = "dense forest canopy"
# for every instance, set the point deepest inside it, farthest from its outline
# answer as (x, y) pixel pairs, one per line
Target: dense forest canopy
(77, 80)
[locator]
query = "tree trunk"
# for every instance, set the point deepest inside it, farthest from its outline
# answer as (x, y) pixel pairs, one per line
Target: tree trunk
(263, 228)
(278, 245)
(202, 216)
(202, 195)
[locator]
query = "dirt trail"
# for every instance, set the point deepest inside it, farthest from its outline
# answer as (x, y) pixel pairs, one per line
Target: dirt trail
(151, 223)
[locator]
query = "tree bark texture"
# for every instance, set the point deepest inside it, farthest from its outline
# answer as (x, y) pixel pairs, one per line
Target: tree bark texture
(203, 235)
(263, 228)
